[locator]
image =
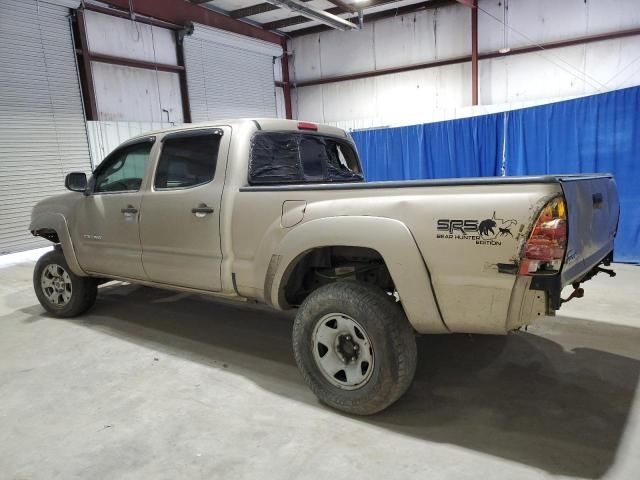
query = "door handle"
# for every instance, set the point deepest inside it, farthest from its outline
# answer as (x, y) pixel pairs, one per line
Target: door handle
(202, 210)
(129, 209)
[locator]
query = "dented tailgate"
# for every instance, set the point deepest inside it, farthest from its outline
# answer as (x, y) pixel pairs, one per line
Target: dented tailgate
(592, 217)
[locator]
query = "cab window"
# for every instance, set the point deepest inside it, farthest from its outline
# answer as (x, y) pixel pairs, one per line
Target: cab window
(188, 159)
(283, 157)
(124, 169)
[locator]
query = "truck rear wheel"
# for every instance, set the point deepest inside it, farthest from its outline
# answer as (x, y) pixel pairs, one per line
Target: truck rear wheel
(354, 348)
(59, 290)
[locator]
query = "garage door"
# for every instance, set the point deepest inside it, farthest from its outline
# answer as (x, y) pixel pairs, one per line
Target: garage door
(42, 129)
(229, 75)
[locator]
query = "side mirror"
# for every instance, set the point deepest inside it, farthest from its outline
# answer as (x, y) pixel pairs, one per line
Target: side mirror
(76, 182)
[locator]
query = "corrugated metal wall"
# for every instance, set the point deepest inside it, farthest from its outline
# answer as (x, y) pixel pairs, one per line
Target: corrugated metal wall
(229, 75)
(42, 128)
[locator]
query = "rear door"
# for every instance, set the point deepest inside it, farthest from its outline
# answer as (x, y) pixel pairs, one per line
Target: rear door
(592, 216)
(180, 214)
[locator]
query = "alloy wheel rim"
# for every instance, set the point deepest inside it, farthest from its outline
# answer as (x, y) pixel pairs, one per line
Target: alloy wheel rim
(56, 285)
(343, 351)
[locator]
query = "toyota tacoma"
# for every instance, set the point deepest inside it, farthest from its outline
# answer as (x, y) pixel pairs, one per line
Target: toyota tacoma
(278, 212)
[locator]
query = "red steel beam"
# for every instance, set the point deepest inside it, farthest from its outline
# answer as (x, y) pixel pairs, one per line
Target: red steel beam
(286, 85)
(467, 58)
(130, 62)
(344, 6)
(474, 52)
(180, 12)
(122, 14)
(90, 95)
(184, 88)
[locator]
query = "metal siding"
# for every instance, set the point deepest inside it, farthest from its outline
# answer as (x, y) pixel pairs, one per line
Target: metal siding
(42, 130)
(229, 76)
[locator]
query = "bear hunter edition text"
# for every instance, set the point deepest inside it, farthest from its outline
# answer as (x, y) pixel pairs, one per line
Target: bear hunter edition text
(491, 231)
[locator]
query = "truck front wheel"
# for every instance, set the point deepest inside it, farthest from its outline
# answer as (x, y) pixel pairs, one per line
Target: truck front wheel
(59, 290)
(354, 348)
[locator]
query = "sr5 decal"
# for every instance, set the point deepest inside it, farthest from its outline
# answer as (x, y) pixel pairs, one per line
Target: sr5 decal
(490, 231)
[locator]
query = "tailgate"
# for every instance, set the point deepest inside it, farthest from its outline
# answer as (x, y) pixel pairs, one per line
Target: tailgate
(592, 217)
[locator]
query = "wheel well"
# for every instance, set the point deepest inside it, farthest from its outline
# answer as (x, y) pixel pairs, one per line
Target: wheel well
(48, 233)
(320, 266)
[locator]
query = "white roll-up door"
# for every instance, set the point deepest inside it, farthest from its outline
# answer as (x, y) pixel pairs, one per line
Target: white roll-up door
(42, 127)
(229, 75)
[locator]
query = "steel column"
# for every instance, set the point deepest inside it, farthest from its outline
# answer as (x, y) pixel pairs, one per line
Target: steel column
(184, 93)
(286, 85)
(91, 106)
(474, 53)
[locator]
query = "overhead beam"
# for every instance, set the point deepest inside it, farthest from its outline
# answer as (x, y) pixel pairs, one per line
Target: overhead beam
(130, 62)
(323, 16)
(345, 7)
(297, 20)
(139, 18)
(252, 10)
(268, 7)
(181, 12)
(392, 12)
(255, 10)
(481, 56)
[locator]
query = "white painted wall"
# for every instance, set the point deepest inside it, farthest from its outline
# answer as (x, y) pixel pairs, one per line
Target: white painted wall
(120, 37)
(445, 92)
(128, 93)
(136, 94)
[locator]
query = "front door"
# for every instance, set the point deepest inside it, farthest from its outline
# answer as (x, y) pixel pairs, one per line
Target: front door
(106, 230)
(180, 216)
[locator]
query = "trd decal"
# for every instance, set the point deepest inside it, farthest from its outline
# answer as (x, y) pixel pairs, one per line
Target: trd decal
(490, 231)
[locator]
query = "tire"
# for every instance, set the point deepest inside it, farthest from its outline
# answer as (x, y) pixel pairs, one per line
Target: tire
(364, 314)
(61, 292)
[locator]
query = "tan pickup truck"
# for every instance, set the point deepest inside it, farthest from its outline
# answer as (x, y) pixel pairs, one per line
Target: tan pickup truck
(278, 211)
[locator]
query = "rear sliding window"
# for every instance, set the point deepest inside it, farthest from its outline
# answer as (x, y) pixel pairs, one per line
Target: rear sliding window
(279, 157)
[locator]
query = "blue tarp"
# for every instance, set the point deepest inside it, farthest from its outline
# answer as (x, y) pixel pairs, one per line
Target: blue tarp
(599, 133)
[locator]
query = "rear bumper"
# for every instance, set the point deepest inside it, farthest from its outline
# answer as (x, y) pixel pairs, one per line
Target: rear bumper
(552, 285)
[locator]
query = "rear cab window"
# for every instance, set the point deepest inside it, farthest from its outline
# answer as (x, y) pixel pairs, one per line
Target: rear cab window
(292, 157)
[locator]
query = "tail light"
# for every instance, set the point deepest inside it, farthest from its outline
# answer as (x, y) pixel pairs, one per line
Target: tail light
(544, 251)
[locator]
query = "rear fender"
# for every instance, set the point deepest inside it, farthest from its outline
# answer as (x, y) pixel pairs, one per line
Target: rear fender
(57, 222)
(390, 238)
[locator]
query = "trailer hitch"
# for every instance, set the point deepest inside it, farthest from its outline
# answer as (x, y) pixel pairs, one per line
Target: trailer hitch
(578, 292)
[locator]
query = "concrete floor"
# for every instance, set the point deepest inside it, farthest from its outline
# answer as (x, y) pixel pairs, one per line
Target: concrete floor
(153, 384)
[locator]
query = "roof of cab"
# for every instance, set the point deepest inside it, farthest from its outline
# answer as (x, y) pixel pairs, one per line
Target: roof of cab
(262, 123)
